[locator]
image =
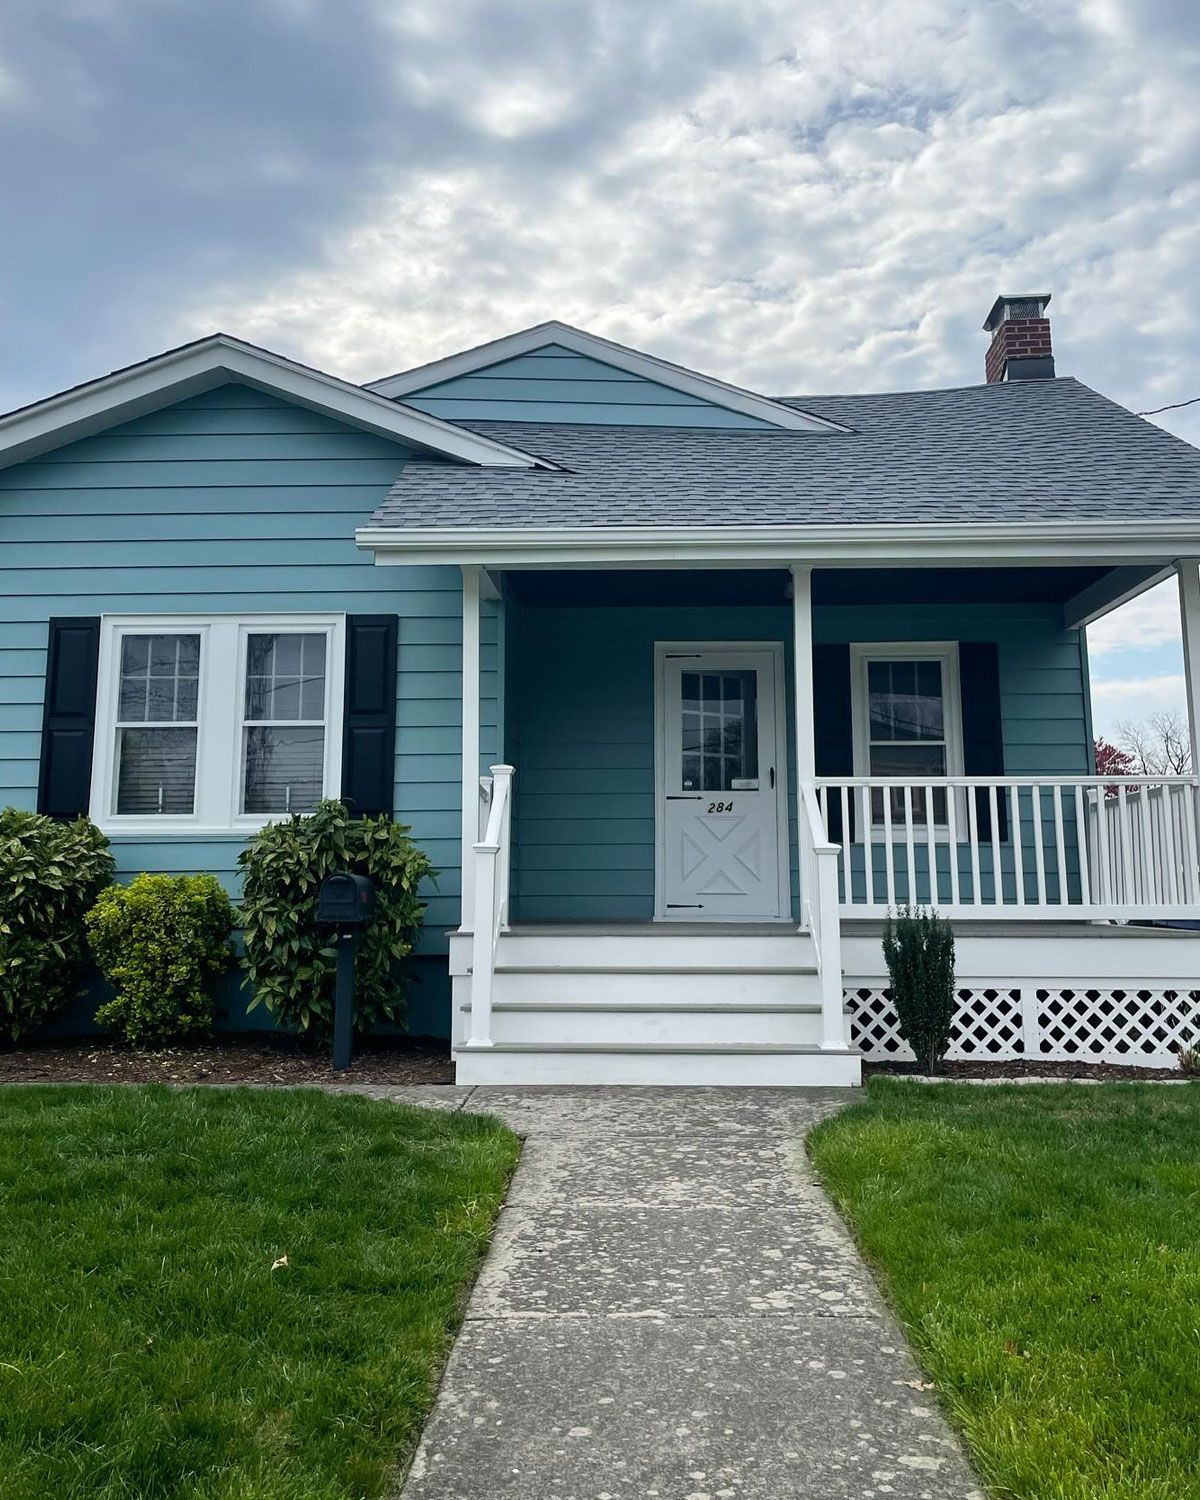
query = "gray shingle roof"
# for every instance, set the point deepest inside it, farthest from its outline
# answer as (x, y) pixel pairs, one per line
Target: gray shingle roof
(1033, 450)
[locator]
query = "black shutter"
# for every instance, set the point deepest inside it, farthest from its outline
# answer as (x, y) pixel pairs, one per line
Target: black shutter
(833, 726)
(982, 727)
(69, 718)
(369, 729)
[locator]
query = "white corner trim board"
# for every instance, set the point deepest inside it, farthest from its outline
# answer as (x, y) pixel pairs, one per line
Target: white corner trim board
(209, 362)
(621, 357)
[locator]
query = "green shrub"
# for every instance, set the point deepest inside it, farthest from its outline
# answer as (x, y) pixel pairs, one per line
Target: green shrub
(918, 947)
(289, 959)
(50, 873)
(162, 942)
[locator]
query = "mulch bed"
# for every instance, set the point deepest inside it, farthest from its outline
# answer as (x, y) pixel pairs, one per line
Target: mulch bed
(1020, 1069)
(225, 1060)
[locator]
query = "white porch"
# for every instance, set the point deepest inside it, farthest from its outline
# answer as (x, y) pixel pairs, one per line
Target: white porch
(1042, 874)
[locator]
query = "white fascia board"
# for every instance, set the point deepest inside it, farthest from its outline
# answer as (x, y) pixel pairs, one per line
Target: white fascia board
(210, 362)
(1045, 543)
(592, 346)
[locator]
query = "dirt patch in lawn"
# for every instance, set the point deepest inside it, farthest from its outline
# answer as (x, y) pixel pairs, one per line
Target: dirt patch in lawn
(225, 1060)
(1022, 1069)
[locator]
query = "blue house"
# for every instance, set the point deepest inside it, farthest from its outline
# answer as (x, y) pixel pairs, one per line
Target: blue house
(682, 687)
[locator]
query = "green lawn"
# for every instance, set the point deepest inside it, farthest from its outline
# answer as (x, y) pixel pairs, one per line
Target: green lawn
(148, 1348)
(1042, 1246)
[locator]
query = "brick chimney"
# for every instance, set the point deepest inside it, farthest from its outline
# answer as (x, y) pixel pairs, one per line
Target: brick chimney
(1020, 347)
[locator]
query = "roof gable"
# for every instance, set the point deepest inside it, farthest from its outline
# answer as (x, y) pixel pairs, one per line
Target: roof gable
(553, 372)
(98, 405)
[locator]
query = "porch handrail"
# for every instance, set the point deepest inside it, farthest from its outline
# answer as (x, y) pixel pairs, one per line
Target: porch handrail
(493, 859)
(819, 859)
(1096, 847)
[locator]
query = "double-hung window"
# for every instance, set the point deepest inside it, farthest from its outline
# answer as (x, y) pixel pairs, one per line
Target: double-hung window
(216, 724)
(907, 723)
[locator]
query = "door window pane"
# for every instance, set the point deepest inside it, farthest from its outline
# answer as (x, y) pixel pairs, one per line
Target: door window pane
(283, 735)
(719, 729)
(159, 685)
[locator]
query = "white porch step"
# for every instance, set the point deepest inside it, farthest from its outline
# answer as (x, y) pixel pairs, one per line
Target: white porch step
(569, 1020)
(647, 947)
(763, 1065)
(685, 988)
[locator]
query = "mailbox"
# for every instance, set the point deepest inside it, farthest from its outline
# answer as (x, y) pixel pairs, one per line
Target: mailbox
(345, 901)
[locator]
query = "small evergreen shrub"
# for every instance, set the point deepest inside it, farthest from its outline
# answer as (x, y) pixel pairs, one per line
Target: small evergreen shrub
(162, 942)
(50, 874)
(918, 948)
(289, 959)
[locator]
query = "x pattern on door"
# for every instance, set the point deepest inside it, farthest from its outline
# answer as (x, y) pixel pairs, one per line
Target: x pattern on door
(721, 856)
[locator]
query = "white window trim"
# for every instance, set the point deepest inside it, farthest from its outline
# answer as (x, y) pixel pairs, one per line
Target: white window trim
(944, 652)
(219, 739)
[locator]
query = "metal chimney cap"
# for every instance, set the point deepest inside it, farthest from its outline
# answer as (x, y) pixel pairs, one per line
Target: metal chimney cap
(1035, 307)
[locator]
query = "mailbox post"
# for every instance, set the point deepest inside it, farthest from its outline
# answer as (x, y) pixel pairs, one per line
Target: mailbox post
(345, 902)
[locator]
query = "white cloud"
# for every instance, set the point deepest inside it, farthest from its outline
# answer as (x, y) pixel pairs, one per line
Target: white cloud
(824, 197)
(1133, 699)
(1152, 619)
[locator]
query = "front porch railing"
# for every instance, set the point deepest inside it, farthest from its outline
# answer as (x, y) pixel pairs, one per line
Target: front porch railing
(1015, 846)
(493, 858)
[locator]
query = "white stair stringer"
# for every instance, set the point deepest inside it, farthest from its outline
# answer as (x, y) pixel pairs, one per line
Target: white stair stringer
(650, 1006)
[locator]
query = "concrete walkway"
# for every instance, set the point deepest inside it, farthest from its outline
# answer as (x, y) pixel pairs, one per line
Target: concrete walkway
(671, 1308)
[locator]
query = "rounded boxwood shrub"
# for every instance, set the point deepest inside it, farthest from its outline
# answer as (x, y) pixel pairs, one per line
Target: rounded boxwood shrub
(289, 959)
(162, 942)
(50, 874)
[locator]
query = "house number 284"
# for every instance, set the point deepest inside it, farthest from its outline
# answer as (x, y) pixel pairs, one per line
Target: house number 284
(720, 807)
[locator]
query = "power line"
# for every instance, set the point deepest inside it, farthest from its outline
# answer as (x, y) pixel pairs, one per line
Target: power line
(1174, 406)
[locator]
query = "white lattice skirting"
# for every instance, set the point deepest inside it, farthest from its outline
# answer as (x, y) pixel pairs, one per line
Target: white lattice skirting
(1000, 1022)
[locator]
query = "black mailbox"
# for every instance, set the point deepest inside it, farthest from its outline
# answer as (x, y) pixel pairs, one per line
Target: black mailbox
(345, 901)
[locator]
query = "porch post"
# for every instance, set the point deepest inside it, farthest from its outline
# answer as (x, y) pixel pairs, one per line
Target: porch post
(470, 741)
(1188, 574)
(802, 668)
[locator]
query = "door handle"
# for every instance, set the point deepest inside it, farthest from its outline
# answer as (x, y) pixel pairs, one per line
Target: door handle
(772, 776)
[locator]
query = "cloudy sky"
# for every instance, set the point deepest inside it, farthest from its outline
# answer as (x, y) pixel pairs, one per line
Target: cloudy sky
(799, 195)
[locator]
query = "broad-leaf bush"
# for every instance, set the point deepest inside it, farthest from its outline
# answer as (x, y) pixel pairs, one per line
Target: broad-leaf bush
(50, 874)
(162, 942)
(289, 959)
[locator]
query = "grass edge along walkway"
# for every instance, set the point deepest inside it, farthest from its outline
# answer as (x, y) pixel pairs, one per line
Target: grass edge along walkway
(1041, 1246)
(230, 1294)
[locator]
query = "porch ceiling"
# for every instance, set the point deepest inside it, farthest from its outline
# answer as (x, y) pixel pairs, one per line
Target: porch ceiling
(618, 587)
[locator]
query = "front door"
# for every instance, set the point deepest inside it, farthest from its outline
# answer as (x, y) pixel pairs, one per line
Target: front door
(721, 825)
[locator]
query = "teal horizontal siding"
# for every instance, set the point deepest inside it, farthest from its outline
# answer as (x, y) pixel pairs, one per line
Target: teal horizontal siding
(584, 710)
(38, 474)
(266, 495)
(230, 501)
(613, 413)
(554, 385)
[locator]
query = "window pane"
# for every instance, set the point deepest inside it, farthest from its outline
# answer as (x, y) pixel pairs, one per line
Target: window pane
(719, 729)
(285, 677)
(905, 700)
(160, 679)
(156, 771)
(912, 761)
(282, 769)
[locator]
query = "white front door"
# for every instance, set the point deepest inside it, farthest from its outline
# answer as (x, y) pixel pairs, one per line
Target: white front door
(721, 817)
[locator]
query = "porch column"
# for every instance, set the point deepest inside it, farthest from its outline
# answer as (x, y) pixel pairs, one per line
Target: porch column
(1188, 574)
(802, 668)
(470, 740)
